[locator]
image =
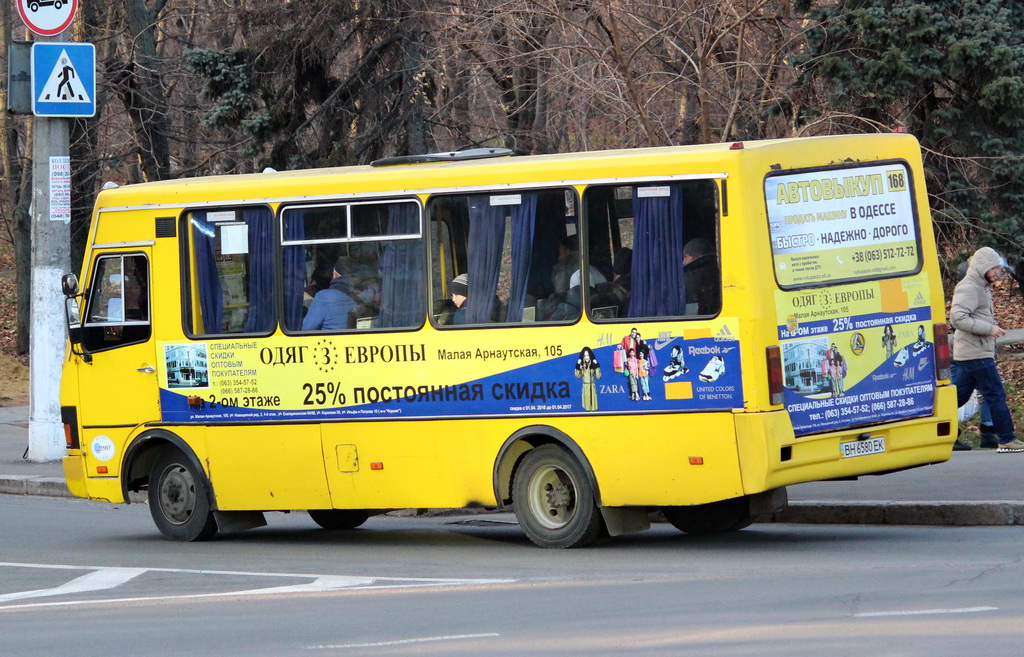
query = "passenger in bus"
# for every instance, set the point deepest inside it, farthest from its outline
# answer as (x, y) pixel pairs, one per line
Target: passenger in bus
(112, 289)
(701, 277)
(622, 280)
(459, 291)
(331, 307)
(567, 263)
(320, 279)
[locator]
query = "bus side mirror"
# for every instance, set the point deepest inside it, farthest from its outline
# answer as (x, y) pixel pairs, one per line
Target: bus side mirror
(74, 318)
(69, 285)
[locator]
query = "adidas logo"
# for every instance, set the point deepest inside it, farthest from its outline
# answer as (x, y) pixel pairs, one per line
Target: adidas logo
(724, 334)
(919, 300)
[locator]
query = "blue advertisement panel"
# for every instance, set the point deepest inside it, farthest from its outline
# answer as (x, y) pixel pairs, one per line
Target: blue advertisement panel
(340, 377)
(857, 354)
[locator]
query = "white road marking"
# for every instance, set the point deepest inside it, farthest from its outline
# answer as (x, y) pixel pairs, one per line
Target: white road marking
(322, 583)
(99, 580)
(402, 642)
(922, 612)
(108, 577)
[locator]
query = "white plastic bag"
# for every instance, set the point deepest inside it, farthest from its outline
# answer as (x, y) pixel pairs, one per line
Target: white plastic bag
(968, 410)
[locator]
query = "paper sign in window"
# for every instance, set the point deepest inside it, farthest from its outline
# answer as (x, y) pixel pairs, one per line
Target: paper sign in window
(234, 238)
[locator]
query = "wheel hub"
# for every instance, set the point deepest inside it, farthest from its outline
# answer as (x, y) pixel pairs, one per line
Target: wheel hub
(177, 494)
(558, 496)
(552, 496)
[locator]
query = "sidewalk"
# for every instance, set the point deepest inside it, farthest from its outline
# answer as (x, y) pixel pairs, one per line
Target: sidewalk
(978, 487)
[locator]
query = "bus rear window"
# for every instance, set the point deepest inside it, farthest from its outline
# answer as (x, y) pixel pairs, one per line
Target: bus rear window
(842, 224)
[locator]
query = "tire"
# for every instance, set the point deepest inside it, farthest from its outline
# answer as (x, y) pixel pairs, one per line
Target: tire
(714, 518)
(554, 501)
(178, 499)
(338, 519)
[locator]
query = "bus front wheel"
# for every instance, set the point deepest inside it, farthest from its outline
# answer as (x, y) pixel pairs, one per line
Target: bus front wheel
(713, 518)
(554, 501)
(338, 519)
(178, 499)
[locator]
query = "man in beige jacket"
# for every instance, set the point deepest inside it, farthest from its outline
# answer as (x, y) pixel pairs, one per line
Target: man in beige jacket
(972, 314)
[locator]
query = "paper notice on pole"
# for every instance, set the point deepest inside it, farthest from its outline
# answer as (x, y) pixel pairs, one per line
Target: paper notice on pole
(60, 188)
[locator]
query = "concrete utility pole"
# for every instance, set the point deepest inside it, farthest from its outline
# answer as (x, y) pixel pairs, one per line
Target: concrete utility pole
(51, 232)
(51, 240)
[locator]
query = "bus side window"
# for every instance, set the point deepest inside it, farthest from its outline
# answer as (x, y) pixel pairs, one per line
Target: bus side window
(117, 312)
(507, 246)
(353, 266)
(231, 271)
(662, 240)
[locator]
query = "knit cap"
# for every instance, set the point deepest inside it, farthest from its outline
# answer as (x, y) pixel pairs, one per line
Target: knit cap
(460, 285)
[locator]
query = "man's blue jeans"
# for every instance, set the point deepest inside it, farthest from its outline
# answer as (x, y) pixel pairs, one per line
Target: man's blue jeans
(982, 375)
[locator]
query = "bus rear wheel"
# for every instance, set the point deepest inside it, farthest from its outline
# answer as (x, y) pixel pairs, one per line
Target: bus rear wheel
(338, 519)
(554, 501)
(178, 499)
(713, 518)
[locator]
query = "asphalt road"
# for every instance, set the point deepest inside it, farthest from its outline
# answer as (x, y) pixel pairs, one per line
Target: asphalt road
(84, 579)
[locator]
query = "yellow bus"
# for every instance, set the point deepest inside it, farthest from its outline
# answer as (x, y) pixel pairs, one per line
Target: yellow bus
(586, 338)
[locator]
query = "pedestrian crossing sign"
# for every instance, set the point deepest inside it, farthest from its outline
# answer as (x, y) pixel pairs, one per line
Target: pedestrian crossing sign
(63, 79)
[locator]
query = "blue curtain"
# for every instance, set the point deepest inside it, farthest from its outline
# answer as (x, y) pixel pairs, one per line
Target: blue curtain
(261, 270)
(524, 218)
(486, 235)
(402, 270)
(207, 279)
(658, 289)
(294, 270)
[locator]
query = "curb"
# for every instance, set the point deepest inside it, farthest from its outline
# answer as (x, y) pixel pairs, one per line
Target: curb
(957, 514)
(34, 485)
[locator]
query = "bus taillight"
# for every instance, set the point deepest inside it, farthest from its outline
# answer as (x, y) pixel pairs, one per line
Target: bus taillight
(69, 417)
(775, 386)
(942, 364)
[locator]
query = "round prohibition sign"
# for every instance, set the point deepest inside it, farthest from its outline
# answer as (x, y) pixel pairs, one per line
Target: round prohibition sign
(47, 17)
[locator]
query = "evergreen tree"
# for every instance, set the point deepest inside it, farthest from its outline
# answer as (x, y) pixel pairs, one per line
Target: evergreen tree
(951, 72)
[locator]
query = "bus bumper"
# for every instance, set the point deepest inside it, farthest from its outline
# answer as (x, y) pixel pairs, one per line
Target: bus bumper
(770, 457)
(74, 475)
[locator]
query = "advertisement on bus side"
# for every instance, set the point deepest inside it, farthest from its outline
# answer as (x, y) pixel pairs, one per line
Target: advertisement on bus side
(642, 369)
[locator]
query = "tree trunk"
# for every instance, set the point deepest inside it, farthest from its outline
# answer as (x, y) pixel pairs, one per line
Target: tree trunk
(138, 82)
(16, 194)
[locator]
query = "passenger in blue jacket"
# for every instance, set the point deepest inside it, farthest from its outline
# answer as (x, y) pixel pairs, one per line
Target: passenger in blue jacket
(331, 307)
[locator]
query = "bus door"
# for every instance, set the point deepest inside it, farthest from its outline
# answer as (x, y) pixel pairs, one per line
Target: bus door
(117, 379)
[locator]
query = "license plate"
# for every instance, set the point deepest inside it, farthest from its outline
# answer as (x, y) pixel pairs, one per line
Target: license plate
(862, 447)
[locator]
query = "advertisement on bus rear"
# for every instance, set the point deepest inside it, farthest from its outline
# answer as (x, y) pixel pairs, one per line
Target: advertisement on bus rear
(836, 225)
(643, 369)
(857, 354)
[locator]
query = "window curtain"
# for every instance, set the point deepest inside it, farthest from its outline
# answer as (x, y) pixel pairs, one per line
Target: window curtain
(486, 235)
(401, 270)
(261, 270)
(658, 289)
(524, 218)
(207, 279)
(294, 270)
